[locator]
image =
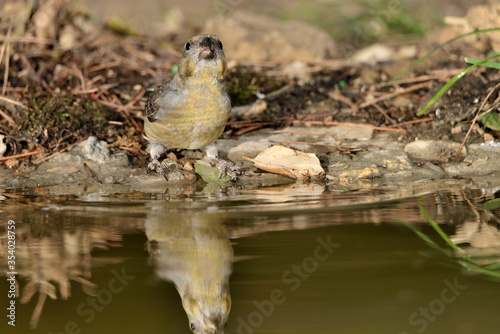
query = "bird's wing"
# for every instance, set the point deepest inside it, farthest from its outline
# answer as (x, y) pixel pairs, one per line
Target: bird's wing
(153, 104)
(163, 99)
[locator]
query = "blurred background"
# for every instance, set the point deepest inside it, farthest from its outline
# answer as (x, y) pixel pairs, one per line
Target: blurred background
(342, 20)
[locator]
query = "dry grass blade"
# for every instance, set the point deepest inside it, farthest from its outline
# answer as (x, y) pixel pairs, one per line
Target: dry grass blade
(6, 49)
(16, 103)
(341, 98)
(9, 119)
(38, 310)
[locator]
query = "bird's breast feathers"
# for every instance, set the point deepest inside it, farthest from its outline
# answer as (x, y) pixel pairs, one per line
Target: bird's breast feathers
(192, 118)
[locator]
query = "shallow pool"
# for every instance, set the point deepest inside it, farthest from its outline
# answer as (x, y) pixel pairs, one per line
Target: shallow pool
(288, 259)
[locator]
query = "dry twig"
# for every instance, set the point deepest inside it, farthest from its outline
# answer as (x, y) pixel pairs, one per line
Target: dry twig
(352, 124)
(91, 172)
(21, 155)
(475, 118)
(391, 95)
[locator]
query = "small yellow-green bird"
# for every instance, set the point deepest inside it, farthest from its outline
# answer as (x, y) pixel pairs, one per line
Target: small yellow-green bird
(190, 110)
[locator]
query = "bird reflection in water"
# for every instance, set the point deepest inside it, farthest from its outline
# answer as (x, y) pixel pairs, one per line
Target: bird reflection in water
(192, 250)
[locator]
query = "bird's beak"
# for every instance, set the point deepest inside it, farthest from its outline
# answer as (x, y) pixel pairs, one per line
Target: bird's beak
(206, 53)
(206, 50)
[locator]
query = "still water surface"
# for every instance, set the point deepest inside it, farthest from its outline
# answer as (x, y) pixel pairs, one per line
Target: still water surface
(293, 259)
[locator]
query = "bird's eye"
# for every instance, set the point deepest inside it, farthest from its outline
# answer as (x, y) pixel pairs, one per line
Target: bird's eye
(188, 46)
(220, 45)
(192, 327)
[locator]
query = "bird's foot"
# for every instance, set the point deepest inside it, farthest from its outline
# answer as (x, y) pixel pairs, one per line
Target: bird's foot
(155, 165)
(226, 167)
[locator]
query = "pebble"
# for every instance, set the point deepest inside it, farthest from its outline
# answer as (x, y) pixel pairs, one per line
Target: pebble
(434, 150)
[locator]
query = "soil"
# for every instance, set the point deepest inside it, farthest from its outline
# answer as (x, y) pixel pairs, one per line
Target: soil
(75, 79)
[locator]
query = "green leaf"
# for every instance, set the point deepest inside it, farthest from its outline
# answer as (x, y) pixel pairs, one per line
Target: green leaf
(492, 205)
(491, 120)
(210, 174)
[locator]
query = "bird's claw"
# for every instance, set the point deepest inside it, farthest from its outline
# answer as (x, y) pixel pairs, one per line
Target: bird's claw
(225, 167)
(157, 166)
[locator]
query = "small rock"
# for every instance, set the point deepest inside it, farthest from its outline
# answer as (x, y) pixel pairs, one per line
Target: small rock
(457, 130)
(68, 38)
(93, 149)
(347, 132)
(369, 76)
(174, 171)
(172, 156)
(481, 160)
(248, 148)
(488, 137)
(374, 54)
(11, 163)
(407, 52)
(250, 111)
(401, 101)
(188, 167)
(434, 150)
(397, 164)
(3, 147)
(364, 173)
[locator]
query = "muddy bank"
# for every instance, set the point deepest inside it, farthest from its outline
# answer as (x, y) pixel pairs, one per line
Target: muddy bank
(353, 158)
(71, 81)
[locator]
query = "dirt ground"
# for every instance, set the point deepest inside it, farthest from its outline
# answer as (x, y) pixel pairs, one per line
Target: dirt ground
(69, 76)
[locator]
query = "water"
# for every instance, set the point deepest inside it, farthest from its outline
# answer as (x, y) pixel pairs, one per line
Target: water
(290, 259)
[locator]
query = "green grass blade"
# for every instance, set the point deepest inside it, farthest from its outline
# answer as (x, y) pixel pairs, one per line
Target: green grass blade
(489, 64)
(435, 225)
(424, 57)
(460, 257)
(451, 82)
(426, 238)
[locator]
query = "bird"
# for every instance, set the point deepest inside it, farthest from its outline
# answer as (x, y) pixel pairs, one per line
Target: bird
(190, 110)
(192, 250)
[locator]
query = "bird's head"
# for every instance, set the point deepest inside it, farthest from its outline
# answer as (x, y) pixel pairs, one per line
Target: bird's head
(208, 313)
(203, 57)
